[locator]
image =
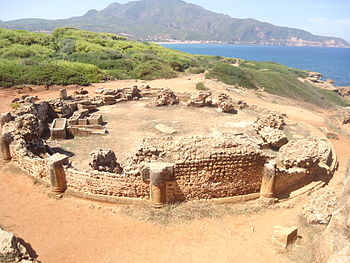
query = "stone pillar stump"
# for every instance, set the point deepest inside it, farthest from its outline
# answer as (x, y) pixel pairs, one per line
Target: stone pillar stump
(57, 174)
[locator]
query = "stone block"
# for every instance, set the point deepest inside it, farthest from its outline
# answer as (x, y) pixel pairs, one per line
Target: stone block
(284, 236)
(95, 119)
(58, 128)
(82, 122)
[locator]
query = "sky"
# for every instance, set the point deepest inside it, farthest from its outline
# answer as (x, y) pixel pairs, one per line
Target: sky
(321, 17)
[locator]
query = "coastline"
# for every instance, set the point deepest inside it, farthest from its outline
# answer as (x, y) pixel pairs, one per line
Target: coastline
(196, 42)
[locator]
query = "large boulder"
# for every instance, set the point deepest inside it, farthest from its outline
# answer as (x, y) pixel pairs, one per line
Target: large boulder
(11, 250)
(104, 161)
(165, 97)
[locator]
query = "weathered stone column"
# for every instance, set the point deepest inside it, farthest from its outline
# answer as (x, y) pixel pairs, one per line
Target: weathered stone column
(5, 146)
(63, 94)
(57, 174)
(4, 117)
(268, 180)
(159, 173)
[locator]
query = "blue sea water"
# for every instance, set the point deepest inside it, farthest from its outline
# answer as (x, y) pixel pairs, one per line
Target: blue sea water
(333, 63)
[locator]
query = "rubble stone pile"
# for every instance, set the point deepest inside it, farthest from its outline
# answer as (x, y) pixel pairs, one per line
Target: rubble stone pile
(104, 161)
(275, 138)
(165, 97)
(270, 119)
(200, 99)
(269, 126)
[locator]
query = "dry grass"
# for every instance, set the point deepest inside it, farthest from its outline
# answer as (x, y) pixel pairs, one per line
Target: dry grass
(189, 211)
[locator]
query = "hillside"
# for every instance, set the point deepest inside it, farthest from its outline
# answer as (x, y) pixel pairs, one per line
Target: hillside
(74, 56)
(159, 20)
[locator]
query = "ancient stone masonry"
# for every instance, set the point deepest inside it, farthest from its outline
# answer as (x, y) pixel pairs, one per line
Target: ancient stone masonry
(274, 138)
(223, 102)
(200, 99)
(302, 161)
(165, 97)
(269, 119)
(104, 161)
(269, 126)
(166, 168)
(208, 167)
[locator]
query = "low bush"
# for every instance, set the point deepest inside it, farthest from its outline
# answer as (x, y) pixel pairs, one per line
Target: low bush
(231, 75)
(201, 86)
(153, 70)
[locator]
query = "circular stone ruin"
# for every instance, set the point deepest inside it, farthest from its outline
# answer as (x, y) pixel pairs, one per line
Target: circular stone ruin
(123, 145)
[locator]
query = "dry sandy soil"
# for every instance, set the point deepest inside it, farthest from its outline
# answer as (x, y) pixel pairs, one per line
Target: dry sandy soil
(74, 230)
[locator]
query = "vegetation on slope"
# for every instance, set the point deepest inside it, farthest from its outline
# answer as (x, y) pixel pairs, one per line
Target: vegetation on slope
(73, 56)
(275, 79)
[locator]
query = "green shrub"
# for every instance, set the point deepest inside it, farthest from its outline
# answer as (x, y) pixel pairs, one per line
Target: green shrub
(153, 70)
(201, 86)
(231, 75)
(195, 70)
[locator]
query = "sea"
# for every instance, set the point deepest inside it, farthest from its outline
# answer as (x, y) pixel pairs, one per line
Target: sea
(333, 63)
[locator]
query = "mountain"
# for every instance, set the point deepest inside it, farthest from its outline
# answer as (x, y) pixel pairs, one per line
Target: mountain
(163, 20)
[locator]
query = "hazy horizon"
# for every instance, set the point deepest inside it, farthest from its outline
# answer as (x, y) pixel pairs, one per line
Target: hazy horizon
(324, 18)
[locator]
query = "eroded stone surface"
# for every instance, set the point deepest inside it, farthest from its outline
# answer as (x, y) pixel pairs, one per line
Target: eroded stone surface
(11, 250)
(321, 205)
(305, 153)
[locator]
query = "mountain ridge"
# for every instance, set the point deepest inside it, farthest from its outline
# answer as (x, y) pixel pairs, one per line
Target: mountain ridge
(176, 20)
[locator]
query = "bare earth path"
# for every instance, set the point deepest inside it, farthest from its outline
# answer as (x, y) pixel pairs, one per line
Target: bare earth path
(74, 230)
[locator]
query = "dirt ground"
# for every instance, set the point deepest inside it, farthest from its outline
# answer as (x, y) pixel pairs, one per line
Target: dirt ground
(74, 230)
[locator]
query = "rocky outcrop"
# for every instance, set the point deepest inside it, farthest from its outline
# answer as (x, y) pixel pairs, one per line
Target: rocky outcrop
(165, 97)
(321, 205)
(314, 77)
(104, 161)
(12, 251)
